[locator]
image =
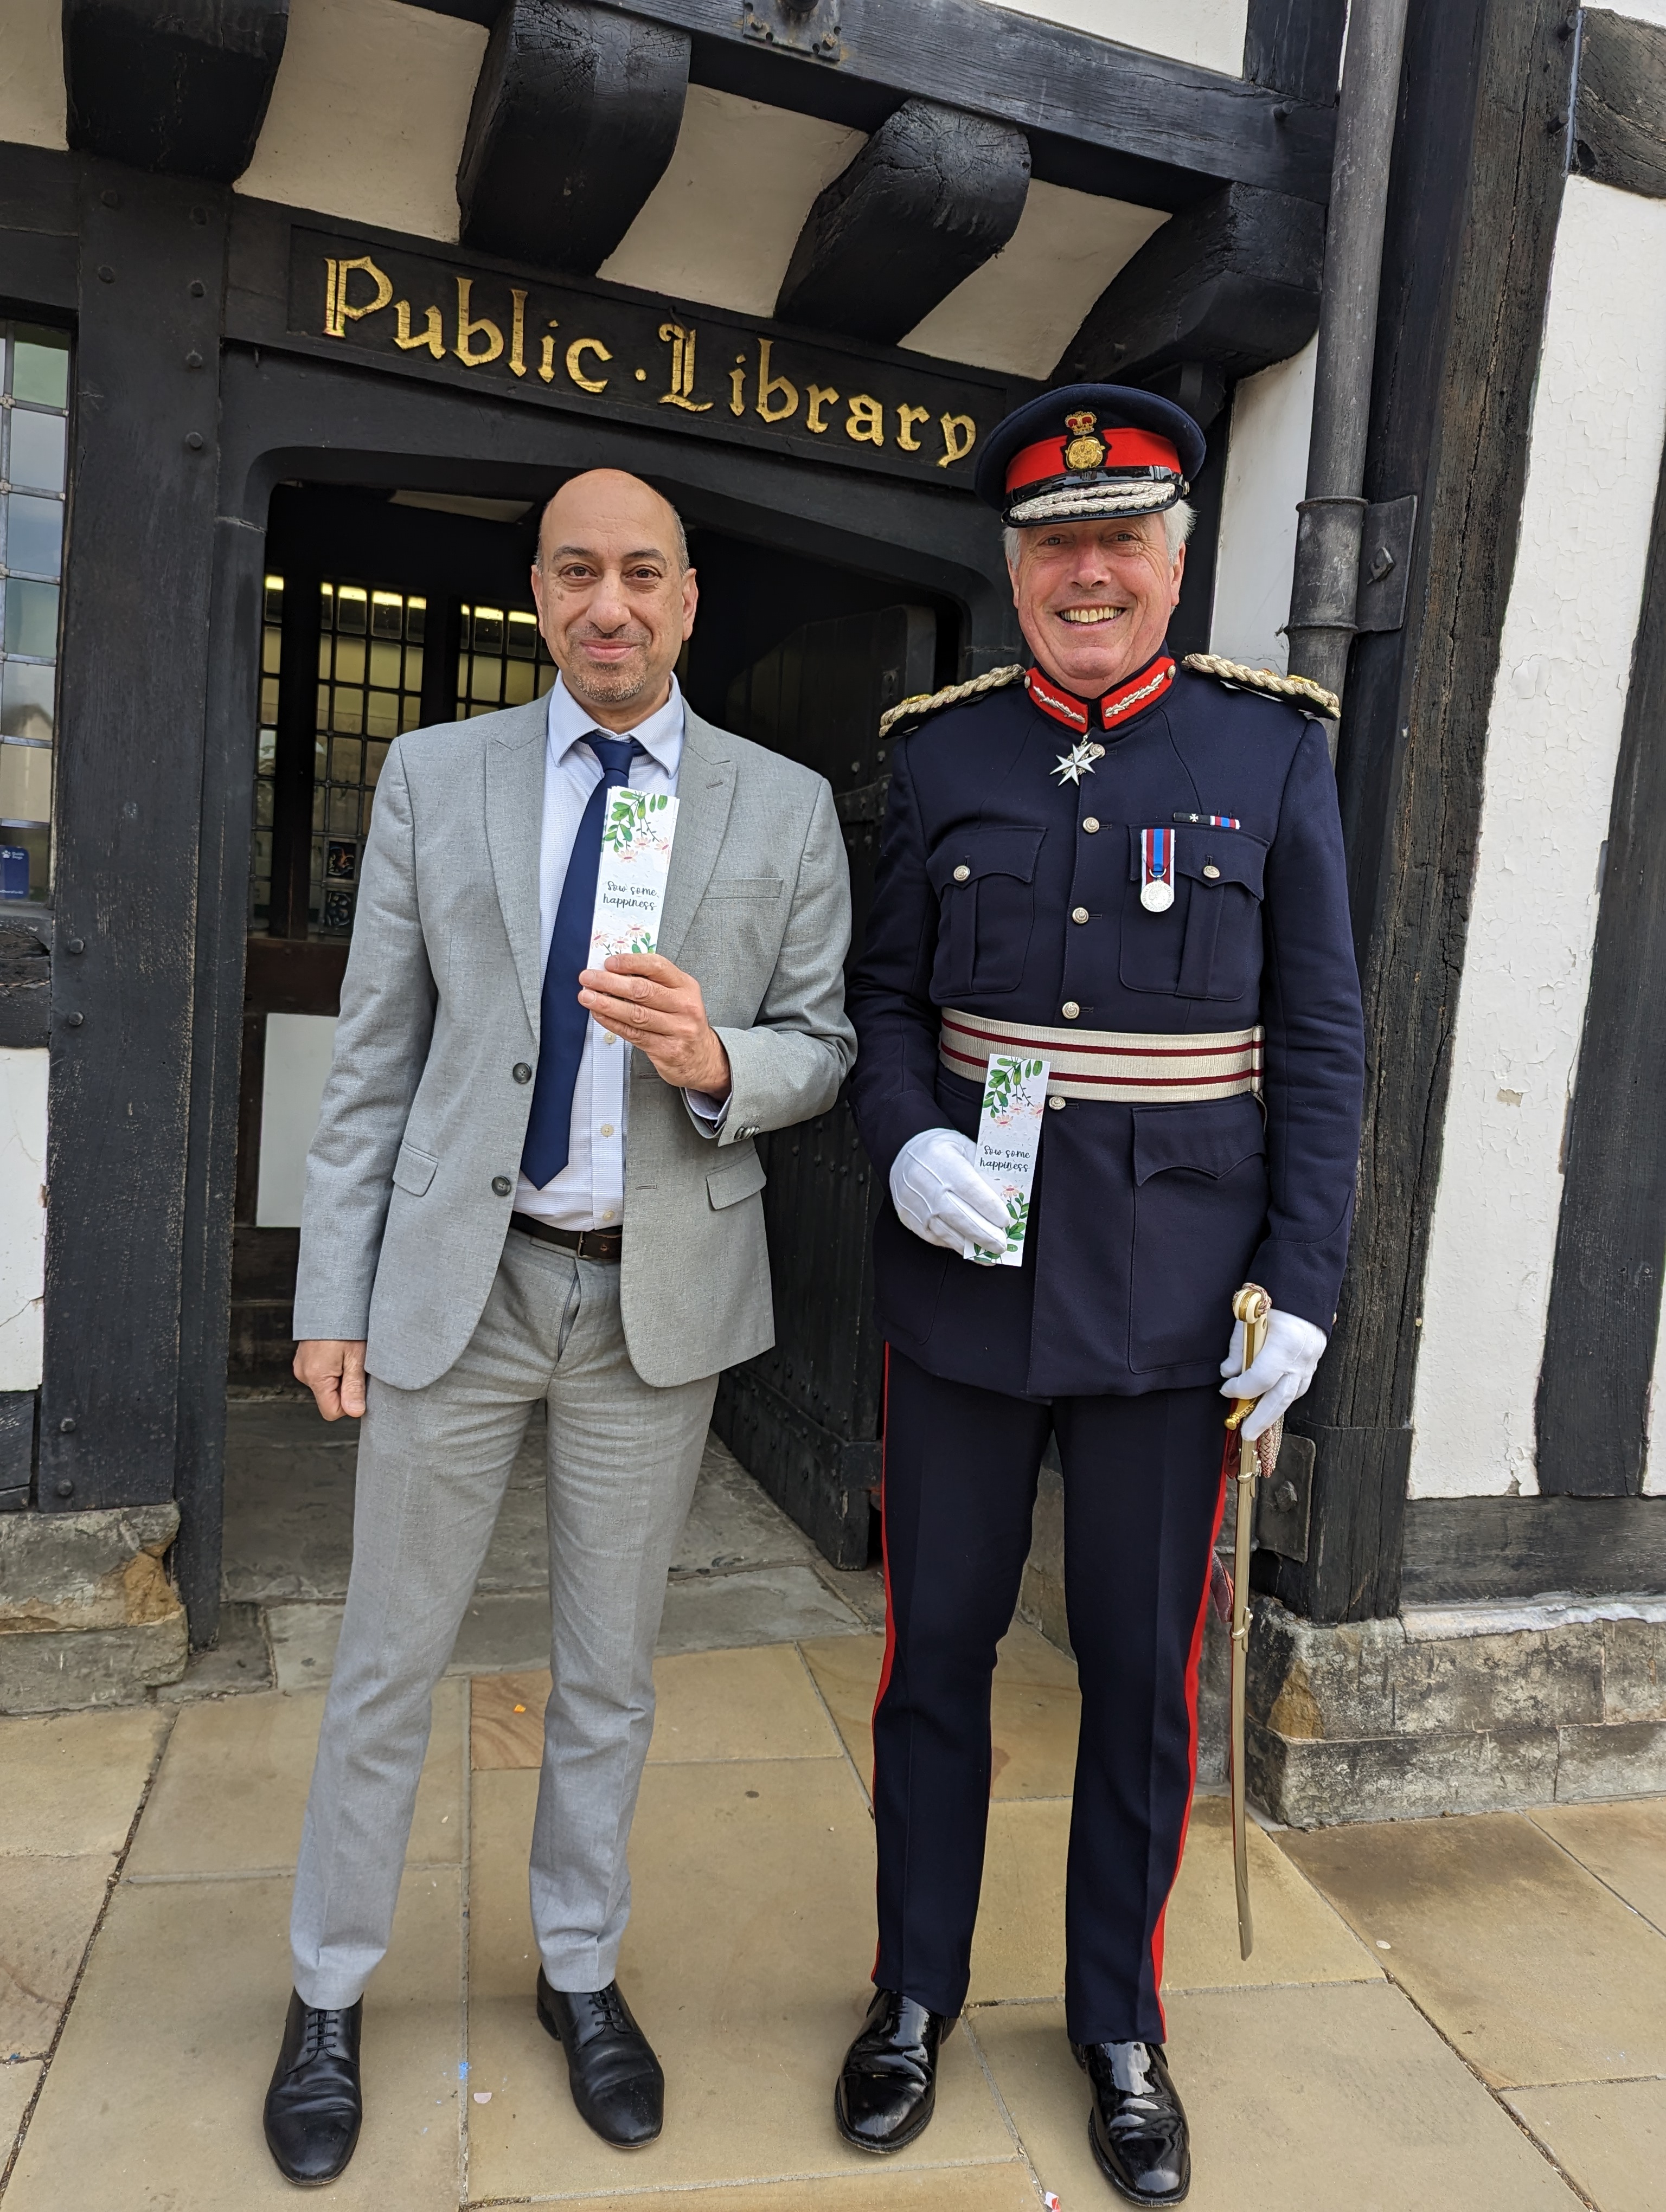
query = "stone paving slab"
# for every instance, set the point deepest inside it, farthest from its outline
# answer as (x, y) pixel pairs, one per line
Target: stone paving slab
(73, 1781)
(1299, 2100)
(232, 1787)
(755, 1703)
(1535, 1971)
(152, 2101)
(49, 1908)
(1609, 2137)
(747, 1962)
(18, 2077)
(1622, 1845)
(1003, 2188)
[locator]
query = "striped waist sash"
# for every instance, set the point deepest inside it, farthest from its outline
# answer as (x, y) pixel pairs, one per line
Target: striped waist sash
(1125, 1066)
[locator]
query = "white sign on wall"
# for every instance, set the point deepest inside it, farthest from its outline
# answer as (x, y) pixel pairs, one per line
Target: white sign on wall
(299, 1048)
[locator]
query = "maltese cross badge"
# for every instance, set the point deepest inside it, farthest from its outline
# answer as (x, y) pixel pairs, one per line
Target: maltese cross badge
(1077, 762)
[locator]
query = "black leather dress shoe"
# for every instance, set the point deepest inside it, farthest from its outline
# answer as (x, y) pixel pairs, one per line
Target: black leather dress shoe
(888, 2085)
(1137, 2123)
(313, 2107)
(617, 2082)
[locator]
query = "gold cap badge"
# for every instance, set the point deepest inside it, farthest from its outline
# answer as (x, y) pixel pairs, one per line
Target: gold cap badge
(1085, 451)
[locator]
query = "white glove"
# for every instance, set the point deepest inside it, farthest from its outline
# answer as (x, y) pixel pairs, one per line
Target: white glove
(1289, 1353)
(940, 1195)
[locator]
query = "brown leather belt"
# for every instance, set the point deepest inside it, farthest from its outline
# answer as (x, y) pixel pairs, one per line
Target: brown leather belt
(588, 1243)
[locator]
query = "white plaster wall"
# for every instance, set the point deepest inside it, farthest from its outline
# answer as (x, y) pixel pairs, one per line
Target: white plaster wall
(721, 223)
(32, 76)
(1553, 742)
(22, 1214)
(1266, 476)
(368, 115)
(1207, 32)
(1019, 311)
(298, 1050)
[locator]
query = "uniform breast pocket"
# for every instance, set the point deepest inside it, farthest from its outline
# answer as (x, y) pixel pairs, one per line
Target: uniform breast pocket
(1207, 944)
(985, 881)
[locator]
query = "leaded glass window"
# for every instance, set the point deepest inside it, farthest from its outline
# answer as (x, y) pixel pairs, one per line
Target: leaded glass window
(34, 410)
(504, 662)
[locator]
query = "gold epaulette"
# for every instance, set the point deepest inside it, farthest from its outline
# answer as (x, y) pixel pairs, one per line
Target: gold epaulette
(951, 695)
(1297, 690)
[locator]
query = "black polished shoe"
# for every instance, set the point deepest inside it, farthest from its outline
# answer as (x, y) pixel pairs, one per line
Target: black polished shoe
(617, 2082)
(313, 2107)
(887, 2087)
(1137, 2123)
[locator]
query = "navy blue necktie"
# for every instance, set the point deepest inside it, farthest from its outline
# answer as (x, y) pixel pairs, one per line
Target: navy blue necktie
(561, 1020)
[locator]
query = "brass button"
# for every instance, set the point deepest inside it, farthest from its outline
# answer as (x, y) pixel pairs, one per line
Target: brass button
(1055, 1101)
(607, 1130)
(1211, 870)
(521, 1072)
(502, 1185)
(1079, 914)
(962, 873)
(1090, 823)
(1070, 1010)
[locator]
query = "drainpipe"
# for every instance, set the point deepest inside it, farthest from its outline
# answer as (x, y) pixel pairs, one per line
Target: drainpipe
(1324, 591)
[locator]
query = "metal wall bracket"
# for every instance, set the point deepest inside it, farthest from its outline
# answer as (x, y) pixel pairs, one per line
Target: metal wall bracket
(1284, 1504)
(797, 26)
(1385, 564)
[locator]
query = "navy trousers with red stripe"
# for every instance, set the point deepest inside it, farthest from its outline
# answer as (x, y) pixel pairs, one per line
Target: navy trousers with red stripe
(1143, 1490)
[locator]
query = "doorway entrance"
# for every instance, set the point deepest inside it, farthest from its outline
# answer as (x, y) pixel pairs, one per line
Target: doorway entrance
(384, 612)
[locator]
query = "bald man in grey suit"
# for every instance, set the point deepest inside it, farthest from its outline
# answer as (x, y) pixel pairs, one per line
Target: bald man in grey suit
(478, 1235)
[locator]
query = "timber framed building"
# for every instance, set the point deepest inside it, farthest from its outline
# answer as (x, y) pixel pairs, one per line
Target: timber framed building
(306, 304)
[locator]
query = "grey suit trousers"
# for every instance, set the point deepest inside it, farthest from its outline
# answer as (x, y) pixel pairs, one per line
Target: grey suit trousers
(433, 1466)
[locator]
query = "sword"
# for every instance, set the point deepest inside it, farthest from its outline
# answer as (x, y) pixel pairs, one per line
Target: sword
(1251, 1305)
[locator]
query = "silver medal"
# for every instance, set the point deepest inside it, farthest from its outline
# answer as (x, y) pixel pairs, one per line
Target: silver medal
(1157, 896)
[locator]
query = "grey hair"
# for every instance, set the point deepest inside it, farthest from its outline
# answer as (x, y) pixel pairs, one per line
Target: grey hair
(1178, 523)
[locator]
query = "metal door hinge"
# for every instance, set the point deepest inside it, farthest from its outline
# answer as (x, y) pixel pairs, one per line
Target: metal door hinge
(1285, 1501)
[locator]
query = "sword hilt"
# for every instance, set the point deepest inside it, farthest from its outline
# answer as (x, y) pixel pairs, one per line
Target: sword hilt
(1251, 1305)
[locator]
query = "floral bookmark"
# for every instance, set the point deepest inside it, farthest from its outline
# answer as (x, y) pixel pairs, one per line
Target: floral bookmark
(1008, 1140)
(630, 882)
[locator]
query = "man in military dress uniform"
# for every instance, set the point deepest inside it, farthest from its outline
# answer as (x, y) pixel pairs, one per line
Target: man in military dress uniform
(1132, 868)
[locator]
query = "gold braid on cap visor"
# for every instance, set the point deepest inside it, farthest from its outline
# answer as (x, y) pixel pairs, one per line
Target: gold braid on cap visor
(1086, 501)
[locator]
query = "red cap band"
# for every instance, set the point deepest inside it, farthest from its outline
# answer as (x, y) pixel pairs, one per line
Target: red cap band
(1127, 449)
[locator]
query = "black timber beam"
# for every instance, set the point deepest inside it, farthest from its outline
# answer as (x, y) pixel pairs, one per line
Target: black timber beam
(933, 195)
(1470, 1551)
(1228, 286)
(180, 86)
(1603, 1318)
(1099, 117)
(1296, 46)
(1620, 114)
(575, 114)
(128, 833)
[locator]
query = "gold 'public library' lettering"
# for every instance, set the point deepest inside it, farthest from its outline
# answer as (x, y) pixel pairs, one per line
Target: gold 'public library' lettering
(477, 340)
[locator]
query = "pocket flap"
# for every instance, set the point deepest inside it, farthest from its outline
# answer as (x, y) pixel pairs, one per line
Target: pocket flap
(414, 1171)
(1211, 857)
(995, 849)
(735, 1180)
(1210, 1139)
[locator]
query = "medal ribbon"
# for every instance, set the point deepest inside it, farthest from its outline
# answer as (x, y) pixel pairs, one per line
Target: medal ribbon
(1157, 856)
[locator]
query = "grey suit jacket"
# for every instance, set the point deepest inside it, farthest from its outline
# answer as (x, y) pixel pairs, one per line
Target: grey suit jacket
(402, 1228)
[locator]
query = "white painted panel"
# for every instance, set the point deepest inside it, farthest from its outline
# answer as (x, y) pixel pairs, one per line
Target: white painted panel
(368, 115)
(22, 1214)
(721, 223)
(1553, 741)
(1207, 32)
(1266, 475)
(31, 81)
(1019, 311)
(1643, 11)
(298, 1050)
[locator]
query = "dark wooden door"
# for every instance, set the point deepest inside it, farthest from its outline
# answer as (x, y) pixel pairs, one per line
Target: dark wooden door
(805, 1418)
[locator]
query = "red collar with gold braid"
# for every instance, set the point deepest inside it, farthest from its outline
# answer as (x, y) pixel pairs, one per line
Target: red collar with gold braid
(1118, 705)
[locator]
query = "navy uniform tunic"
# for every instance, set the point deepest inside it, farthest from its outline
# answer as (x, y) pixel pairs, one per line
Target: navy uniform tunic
(1144, 1220)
